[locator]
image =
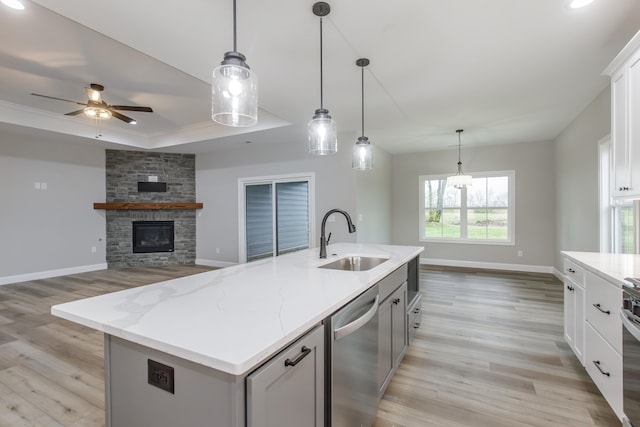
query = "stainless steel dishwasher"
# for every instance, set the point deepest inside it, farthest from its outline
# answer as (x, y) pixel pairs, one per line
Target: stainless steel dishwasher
(353, 351)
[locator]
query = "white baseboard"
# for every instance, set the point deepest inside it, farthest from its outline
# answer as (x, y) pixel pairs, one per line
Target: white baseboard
(50, 273)
(559, 275)
(489, 265)
(214, 263)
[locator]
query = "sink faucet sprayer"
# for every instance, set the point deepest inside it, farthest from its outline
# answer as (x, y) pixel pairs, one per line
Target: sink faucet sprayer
(323, 240)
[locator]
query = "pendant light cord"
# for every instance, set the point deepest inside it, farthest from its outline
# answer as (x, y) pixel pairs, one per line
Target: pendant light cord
(321, 84)
(235, 48)
(362, 100)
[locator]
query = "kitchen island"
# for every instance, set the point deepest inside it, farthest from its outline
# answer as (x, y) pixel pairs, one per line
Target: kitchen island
(215, 328)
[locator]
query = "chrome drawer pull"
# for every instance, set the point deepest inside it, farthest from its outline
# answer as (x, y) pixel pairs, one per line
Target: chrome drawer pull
(597, 363)
(601, 310)
(416, 325)
(571, 288)
(305, 350)
(571, 270)
(416, 310)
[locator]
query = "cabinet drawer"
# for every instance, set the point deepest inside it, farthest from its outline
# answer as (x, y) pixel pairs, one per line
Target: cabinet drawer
(415, 317)
(603, 300)
(573, 271)
(607, 372)
(391, 282)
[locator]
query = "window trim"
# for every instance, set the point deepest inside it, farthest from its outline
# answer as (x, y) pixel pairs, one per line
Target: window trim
(273, 179)
(511, 211)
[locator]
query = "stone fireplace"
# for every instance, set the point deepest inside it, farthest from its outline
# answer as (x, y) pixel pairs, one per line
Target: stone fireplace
(163, 236)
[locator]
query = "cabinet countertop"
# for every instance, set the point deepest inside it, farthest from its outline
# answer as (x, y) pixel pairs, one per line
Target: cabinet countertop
(234, 318)
(611, 267)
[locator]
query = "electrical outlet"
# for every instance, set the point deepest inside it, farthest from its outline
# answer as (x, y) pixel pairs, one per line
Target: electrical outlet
(36, 185)
(43, 185)
(160, 375)
(520, 253)
(217, 250)
(332, 218)
(93, 249)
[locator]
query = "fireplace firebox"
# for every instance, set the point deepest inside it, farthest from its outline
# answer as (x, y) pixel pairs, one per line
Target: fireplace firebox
(152, 236)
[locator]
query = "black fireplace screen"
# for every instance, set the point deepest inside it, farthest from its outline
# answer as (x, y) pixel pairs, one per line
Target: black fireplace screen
(152, 236)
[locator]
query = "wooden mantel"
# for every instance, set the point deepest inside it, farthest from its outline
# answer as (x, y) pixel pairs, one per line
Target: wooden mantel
(146, 206)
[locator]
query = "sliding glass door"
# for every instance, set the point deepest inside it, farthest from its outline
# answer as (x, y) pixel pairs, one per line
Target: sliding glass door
(277, 217)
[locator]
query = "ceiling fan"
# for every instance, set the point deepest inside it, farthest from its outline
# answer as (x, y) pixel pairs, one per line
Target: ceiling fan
(96, 108)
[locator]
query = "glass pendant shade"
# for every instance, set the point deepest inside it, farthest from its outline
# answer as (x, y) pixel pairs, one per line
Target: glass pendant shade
(459, 181)
(234, 92)
(362, 155)
(323, 134)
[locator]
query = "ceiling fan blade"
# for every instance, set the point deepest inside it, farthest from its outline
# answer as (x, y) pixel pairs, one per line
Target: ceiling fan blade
(58, 99)
(131, 108)
(123, 117)
(75, 113)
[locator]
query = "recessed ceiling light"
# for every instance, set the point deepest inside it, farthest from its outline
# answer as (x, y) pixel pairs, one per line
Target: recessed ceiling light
(13, 4)
(577, 4)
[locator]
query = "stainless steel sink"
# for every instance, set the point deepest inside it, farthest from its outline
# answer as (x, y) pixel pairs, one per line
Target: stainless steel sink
(354, 263)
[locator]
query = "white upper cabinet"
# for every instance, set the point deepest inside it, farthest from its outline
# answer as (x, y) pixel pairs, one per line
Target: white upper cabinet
(624, 71)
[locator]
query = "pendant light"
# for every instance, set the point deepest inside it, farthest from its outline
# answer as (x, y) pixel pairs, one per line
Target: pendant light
(362, 153)
(459, 180)
(323, 137)
(234, 89)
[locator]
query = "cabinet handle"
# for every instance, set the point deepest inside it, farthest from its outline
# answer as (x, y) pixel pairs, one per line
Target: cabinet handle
(597, 363)
(571, 270)
(416, 325)
(305, 351)
(416, 310)
(571, 288)
(396, 301)
(601, 310)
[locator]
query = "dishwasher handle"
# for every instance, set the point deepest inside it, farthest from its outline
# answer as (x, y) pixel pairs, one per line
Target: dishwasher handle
(351, 327)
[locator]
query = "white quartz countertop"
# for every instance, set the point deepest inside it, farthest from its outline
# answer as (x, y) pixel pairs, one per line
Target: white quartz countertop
(234, 318)
(612, 267)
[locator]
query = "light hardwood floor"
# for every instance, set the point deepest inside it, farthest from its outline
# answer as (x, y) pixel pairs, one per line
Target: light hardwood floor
(490, 352)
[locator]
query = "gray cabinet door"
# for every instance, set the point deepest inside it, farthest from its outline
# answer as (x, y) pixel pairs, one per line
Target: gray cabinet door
(392, 335)
(399, 324)
(385, 346)
(289, 389)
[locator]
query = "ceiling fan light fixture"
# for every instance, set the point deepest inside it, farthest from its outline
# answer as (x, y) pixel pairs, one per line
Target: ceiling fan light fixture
(13, 4)
(234, 89)
(96, 112)
(362, 158)
(460, 179)
(323, 134)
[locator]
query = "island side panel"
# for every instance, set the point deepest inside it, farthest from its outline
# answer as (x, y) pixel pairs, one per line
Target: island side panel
(202, 396)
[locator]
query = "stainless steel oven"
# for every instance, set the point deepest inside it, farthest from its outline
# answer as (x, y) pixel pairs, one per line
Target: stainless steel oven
(630, 314)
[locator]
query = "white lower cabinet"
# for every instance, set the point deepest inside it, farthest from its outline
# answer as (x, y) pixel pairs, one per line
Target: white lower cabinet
(593, 327)
(604, 365)
(289, 389)
(574, 315)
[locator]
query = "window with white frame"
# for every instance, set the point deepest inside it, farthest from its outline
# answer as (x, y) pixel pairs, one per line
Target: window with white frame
(481, 213)
(618, 218)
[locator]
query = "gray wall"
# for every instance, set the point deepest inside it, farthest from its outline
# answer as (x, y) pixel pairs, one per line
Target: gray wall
(52, 229)
(576, 165)
(337, 186)
(535, 203)
(374, 200)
